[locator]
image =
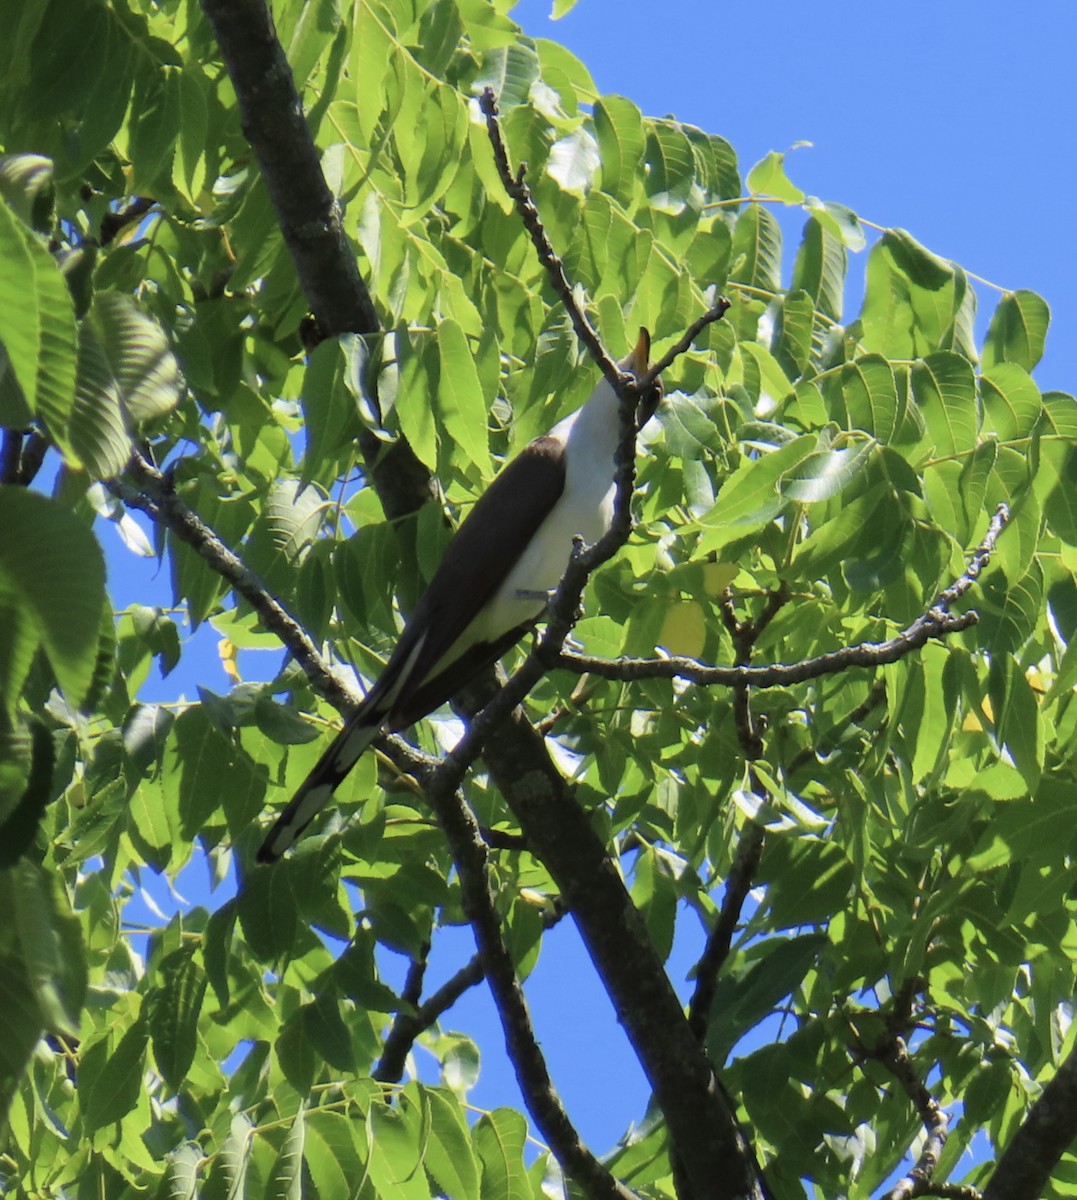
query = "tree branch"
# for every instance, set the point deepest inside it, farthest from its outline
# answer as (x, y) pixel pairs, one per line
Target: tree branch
(893, 1052)
(737, 886)
(158, 499)
(1049, 1127)
(113, 222)
(554, 267)
(715, 1157)
(408, 1025)
(309, 217)
(469, 853)
(936, 622)
(274, 124)
(875, 697)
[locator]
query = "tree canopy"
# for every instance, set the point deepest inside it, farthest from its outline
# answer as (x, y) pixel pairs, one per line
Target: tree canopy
(278, 283)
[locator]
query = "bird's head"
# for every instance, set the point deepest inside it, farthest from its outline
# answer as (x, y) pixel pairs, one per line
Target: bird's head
(637, 364)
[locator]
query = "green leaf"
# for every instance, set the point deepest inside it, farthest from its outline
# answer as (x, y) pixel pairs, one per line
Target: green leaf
(768, 178)
(793, 328)
(51, 598)
(669, 156)
(868, 397)
(574, 160)
(757, 249)
(332, 1156)
(944, 388)
(753, 494)
(181, 1171)
(825, 473)
(840, 222)
(139, 355)
(913, 301)
(742, 1001)
(1012, 403)
(1018, 722)
(621, 145)
(286, 1181)
(174, 1007)
(655, 894)
(26, 183)
(461, 404)
(37, 327)
(50, 945)
(157, 110)
(1018, 330)
(395, 1155)
(450, 1157)
(820, 268)
(110, 1081)
(98, 430)
(500, 1137)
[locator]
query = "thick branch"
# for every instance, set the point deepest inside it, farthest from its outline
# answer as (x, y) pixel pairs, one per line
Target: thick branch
(309, 216)
(1048, 1129)
(274, 124)
(715, 1157)
(469, 853)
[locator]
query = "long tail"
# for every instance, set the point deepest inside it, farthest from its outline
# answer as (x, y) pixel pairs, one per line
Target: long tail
(317, 789)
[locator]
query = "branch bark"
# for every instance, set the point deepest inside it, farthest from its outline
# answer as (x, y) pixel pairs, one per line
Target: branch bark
(309, 216)
(469, 853)
(1048, 1129)
(936, 622)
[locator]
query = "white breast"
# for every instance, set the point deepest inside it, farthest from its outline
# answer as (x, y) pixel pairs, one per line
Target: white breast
(585, 508)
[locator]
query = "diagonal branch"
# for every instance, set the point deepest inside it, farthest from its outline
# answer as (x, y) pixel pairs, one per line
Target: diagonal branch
(1048, 1129)
(737, 886)
(555, 268)
(408, 1025)
(712, 1154)
(274, 123)
(469, 853)
(893, 1052)
(156, 496)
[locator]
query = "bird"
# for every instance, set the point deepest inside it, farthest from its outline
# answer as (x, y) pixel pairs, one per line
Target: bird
(493, 583)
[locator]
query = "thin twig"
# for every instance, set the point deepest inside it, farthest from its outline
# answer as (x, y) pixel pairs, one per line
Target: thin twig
(555, 268)
(876, 695)
(737, 886)
(936, 622)
(159, 500)
(893, 1052)
(113, 222)
(408, 1026)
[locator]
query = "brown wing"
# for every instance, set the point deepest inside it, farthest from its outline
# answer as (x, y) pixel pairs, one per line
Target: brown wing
(476, 562)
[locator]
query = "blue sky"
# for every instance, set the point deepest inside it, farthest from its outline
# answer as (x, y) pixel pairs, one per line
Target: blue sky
(954, 120)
